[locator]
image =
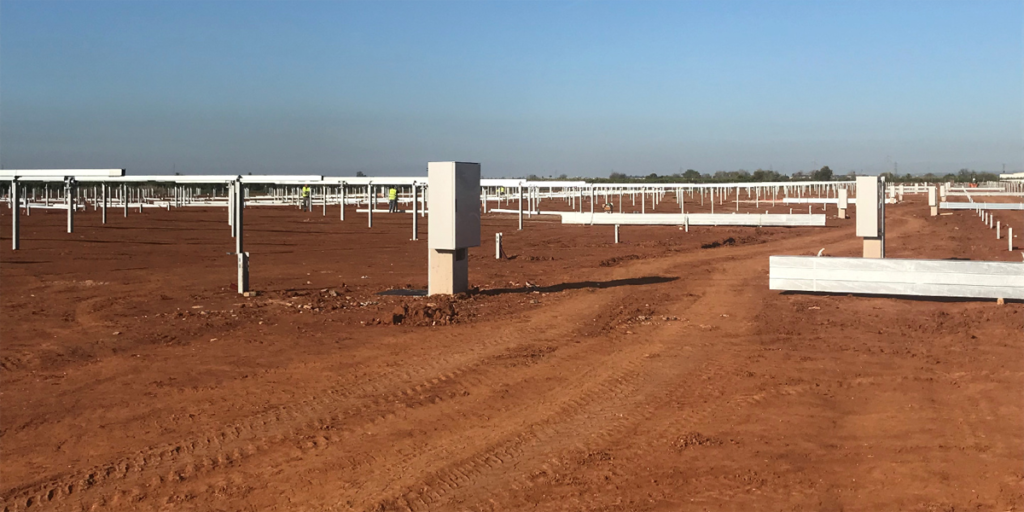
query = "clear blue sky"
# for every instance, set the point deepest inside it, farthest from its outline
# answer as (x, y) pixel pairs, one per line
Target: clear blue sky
(582, 88)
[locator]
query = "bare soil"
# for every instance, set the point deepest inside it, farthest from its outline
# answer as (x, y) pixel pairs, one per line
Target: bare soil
(657, 374)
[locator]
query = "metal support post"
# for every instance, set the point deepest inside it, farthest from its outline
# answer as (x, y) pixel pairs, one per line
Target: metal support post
(69, 187)
(231, 208)
(415, 216)
(15, 215)
(341, 201)
(520, 208)
(243, 257)
(369, 206)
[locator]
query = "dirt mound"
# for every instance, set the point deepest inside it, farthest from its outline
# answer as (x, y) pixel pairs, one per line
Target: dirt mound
(694, 439)
(537, 258)
(438, 312)
(719, 243)
(611, 262)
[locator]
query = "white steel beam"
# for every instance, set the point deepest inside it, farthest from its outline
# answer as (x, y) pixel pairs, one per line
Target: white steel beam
(692, 219)
(62, 173)
(981, 206)
(927, 278)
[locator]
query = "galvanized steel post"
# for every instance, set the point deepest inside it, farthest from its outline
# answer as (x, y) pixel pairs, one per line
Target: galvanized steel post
(15, 215)
(415, 226)
(69, 187)
(243, 257)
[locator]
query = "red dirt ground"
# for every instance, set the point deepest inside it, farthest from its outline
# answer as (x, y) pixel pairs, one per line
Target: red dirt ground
(580, 375)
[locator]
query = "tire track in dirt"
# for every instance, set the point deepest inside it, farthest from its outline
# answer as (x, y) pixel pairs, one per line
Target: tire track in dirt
(249, 450)
(723, 396)
(378, 467)
(712, 365)
(231, 444)
(608, 397)
(534, 450)
(720, 370)
(605, 392)
(665, 432)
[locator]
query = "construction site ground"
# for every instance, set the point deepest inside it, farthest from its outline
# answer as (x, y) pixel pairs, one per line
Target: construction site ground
(656, 374)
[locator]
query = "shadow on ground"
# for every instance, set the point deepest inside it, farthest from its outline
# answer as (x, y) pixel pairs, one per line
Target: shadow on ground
(636, 281)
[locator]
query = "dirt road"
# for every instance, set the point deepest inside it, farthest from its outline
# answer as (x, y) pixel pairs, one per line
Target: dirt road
(658, 374)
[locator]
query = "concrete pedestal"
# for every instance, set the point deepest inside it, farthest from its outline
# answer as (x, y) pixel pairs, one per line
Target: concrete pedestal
(451, 230)
(874, 247)
(448, 271)
(871, 215)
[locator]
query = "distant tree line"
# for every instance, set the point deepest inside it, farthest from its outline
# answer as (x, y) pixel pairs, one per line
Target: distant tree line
(740, 176)
(964, 176)
(768, 176)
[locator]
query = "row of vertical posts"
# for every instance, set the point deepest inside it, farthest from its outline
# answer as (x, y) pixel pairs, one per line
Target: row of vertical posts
(236, 202)
(71, 203)
(236, 207)
(988, 219)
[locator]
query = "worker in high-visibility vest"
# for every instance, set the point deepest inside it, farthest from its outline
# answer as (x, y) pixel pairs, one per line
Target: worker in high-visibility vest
(392, 200)
(307, 200)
